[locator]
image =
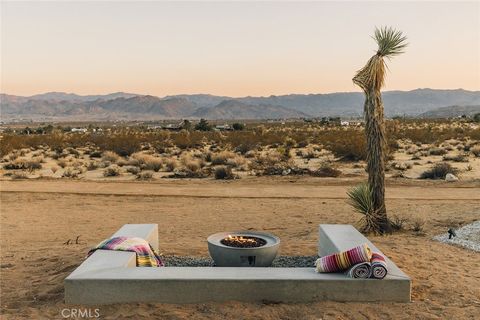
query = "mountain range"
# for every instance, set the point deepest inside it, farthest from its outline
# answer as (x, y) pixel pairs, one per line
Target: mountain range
(128, 106)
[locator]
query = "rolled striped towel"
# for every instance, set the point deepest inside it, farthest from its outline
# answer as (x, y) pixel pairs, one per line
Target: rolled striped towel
(379, 266)
(361, 270)
(343, 260)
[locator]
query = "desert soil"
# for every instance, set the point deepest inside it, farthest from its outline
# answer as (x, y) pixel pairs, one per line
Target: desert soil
(38, 217)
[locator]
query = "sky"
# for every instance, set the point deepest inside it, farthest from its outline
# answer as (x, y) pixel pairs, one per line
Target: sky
(231, 48)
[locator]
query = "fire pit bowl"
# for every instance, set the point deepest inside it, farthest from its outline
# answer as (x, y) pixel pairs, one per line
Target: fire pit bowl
(243, 248)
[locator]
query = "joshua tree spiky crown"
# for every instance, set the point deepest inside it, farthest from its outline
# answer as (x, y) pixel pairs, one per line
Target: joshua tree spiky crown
(390, 43)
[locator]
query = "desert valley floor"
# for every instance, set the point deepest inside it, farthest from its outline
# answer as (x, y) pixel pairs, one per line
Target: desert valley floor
(40, 216)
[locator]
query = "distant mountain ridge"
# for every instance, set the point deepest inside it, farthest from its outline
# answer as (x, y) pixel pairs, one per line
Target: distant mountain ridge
(451, 111)
(129, 106)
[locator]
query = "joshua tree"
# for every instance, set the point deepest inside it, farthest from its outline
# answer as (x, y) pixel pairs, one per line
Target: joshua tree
(371, 79)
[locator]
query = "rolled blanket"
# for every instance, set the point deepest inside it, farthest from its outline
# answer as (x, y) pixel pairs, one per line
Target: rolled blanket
(360, 270)
(343, 260)
(379, 266)
(146, 256)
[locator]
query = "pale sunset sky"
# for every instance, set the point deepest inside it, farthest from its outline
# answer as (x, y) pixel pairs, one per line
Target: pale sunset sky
(231, 48)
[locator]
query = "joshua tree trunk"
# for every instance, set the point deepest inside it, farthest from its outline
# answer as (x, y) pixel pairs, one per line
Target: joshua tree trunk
(376, 151)
(371, 79)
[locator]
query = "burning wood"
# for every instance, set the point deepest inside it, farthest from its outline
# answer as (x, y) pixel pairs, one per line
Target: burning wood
(243, 241)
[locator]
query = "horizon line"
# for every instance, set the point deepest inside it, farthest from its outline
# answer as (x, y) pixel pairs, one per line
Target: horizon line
(221, 95)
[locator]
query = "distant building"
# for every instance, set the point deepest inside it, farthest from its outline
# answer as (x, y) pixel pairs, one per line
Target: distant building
(223, 127)
(82, 130)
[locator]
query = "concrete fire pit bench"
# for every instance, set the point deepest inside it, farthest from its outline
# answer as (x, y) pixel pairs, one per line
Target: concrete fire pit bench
(108, 277)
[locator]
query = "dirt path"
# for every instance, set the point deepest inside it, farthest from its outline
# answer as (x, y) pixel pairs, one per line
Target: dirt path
(234, 189)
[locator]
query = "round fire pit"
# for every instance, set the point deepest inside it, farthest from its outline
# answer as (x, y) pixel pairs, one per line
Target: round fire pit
(243, 248)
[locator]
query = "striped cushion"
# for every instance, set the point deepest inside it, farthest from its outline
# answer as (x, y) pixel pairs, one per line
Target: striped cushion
(379, 266)
(343, 260)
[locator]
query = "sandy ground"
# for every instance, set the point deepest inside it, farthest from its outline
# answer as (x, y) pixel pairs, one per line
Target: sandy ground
(38, 217)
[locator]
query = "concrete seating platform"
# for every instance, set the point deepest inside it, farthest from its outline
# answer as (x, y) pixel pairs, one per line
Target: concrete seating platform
(112, 277)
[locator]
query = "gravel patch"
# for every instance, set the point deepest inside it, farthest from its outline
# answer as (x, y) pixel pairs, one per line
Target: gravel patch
(468, 237)
(279, 262)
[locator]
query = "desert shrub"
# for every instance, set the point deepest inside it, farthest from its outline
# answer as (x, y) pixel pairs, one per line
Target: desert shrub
(222, 157)
(418, 224)
(18, 175)
(192, 164)
(397, 223)
(146, 161)
(455, 158)
(145, 176)
(111, 171)
(23, 164)
(349, 146)
(71, 173)
(62, 163)
(54, 169)
(96, 154)
(92, 165)
(133, 170)
(223, 173)
(475, 150)
(308, 153)
(326, 170)
(110, 156)
(438, 171)
(171, 164)
(437, 151)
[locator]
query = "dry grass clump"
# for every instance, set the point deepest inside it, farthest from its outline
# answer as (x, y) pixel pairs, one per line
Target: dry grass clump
(171, 164)
(223, 173)
(455, 158)
(438, 171)
(145, 176)
(418, 224)
(110, 156)
(475, 150)
(17, 175)
(222, 157)
(133, 170)
(402, 166)
(326, 170)
(71, 173)
(437, 151)
(24, 164)
(111, 171)
(146, 161)
(191, 163)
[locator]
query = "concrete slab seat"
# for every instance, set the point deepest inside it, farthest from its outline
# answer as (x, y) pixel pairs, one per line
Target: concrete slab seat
(111, 277)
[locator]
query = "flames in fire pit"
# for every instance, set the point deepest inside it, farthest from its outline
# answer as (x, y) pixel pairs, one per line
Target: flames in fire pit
(243, 241)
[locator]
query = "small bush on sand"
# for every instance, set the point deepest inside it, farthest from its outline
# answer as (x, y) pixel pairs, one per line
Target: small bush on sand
(111, 171)
(110, 156)
(438, 171)
(71, 173)
(397, 223)
(92, 165)
(146, 161)
(476, 151)
(326, 170)
(18, 175)
(437, 151)
(54, 169)
(145, 176)
(23, 164)
(133, 170)
(418, 225)
(96, 154)
(223, 173)
(192, 164)
(455, 158)
(171, 164)
(222, 157)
